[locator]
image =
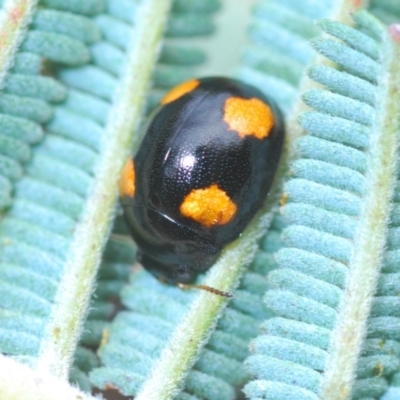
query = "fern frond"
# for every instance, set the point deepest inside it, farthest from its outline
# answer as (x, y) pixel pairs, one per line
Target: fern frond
(167, 74)
(74, 77)
(280, 50)
(339, 203)
(32, 264)
(237, 325)
(24, 104)
(53, 233)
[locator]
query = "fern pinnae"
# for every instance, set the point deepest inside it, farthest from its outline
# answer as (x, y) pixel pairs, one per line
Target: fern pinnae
(14, 19)
(370, 240)
(48, 183)
(384, 321)
(320, 177)
(194, 327)
(145, 294)
(81, 266)
(344, 84)
(27, 96)
(282, 22)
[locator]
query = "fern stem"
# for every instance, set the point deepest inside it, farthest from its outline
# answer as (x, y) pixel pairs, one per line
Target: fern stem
(370, 240)
(17, 381)
(14, 19)
(74, 292)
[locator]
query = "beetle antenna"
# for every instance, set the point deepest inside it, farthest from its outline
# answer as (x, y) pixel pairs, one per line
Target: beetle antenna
(206, 288)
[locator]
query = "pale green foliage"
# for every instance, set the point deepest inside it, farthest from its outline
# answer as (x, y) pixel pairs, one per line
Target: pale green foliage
(75, 78)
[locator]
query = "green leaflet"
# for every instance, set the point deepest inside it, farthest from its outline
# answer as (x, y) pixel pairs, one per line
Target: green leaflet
(342, 189)
(35, 229)
(147, 326)
(280, 49)
(49, 199)
(68, 99)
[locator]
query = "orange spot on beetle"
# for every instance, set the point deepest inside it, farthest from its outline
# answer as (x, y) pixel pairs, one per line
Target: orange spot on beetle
(127, 180)
(180, 90)
(248, 117)
(209, 206)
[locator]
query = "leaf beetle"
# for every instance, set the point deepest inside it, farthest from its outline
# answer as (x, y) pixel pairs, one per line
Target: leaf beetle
(204, 168)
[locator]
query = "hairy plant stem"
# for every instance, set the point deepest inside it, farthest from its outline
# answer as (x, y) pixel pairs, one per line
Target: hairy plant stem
(71, 304)
(370, 242)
